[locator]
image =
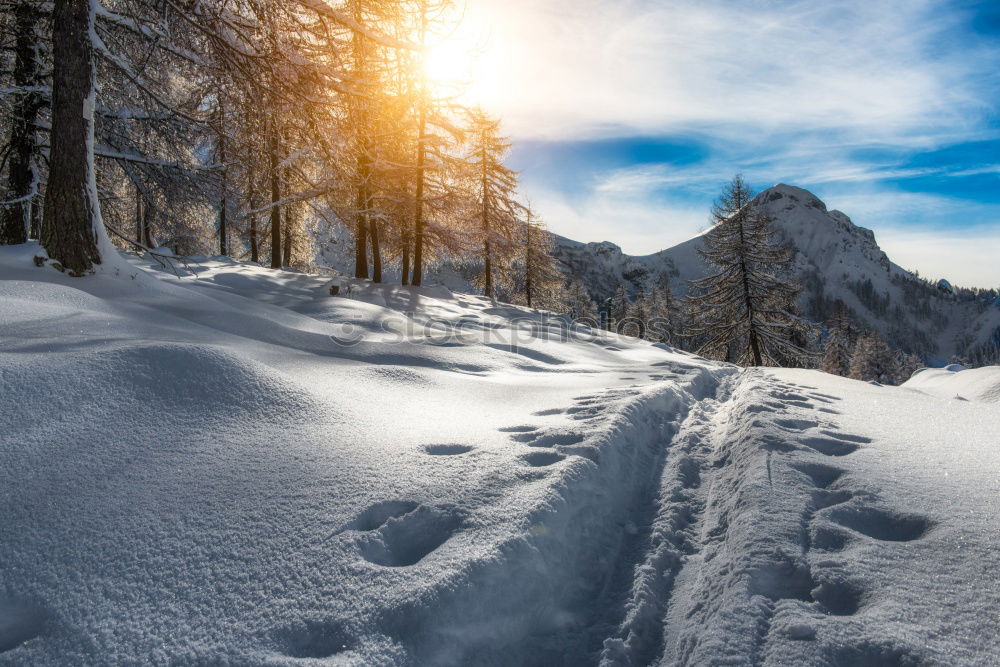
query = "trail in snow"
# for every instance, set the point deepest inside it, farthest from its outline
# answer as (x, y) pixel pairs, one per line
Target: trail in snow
(196, 472)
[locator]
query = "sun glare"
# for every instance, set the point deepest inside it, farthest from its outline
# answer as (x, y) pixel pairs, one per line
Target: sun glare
(449, 64)
(462, 65)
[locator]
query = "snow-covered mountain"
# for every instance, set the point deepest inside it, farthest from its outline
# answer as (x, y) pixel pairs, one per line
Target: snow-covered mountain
(834, 259)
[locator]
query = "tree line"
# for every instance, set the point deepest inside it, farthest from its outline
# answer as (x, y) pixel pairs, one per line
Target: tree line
(242, 124)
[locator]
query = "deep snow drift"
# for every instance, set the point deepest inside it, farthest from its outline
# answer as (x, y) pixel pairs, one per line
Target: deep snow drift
(237, 468)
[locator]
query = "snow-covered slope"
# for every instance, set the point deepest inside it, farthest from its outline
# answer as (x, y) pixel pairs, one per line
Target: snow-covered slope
(834, 259)
(237, 468)
(968, 384)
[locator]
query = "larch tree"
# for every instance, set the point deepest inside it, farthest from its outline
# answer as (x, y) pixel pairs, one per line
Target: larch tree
(20, 205)
(840, 341)
(541, 278)
(873, 359)
(617, 308)
(72, 230)
(745, 308)
(580, 305)
(435, 138)
(494, 214)
(664, 314)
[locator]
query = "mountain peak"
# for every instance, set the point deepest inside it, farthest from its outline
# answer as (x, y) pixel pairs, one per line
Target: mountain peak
(792, 194)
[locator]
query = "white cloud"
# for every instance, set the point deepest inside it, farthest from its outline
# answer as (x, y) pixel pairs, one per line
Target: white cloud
(783, 90)
(637, 225)
(966, 257)
(575, 68)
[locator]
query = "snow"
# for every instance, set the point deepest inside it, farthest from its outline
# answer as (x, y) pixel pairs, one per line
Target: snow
(954, 381)
(234, 467)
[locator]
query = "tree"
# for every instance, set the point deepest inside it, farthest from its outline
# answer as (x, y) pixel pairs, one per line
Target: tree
(840, 342)
(907, 365)
(746, 307)
(874, 360)
(495, 211)
(541, 279)
(617, 307)
(22, 177)
(71, 226)
(580, 305)
(664, 315)
(434, 134)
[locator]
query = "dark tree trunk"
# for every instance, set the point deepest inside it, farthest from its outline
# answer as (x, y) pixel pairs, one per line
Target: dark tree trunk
(286, 252)
(72, 211)
(418, 206)
(21, 181)
(143, 213)
(487, 254)
(252, 220)
(275, 197)
(748, 300)
(406, 259)
(36, 221)
(376, 251)
(224, 199)
(361, 226)
(527, 264)
(139, 223)
(488, 270)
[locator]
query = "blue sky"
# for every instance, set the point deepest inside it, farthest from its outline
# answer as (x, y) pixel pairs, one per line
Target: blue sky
(628, 115)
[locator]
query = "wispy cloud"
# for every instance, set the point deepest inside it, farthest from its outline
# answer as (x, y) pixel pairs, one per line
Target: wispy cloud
(847, 98)
(575, 68)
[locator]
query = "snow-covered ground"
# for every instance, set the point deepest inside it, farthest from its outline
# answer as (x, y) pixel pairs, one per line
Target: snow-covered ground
(237, 468)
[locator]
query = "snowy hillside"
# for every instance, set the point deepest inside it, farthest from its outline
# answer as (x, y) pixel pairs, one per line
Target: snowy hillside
(236, 468)
(834, 259)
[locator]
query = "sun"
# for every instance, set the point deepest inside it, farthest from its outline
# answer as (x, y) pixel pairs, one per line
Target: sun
(462, 65)
(449, 64)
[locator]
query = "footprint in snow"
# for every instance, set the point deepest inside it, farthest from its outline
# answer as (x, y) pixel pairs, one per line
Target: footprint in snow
(545, 413)
(408, 539)
(376, 515)
(788, 396)
(796, 424)
(822, 476)
(557, 439)
(542, 459)
(838, 596)
(861, 439)
(879, 524)
(447, 450)
(830, 446)
(20, 622)
(523, 428)
(312, 639)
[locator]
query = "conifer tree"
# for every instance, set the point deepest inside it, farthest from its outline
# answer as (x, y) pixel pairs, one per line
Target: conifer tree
(541, 278)
(495, 212)
(580, 305)
(840, 342)
(908, 364)
(874, 360)
(617, 308)
(746, 307)
(21, 199)
(663, 313)
(71, 228)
